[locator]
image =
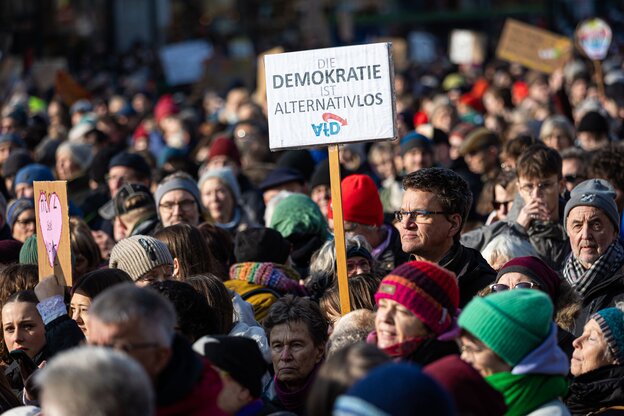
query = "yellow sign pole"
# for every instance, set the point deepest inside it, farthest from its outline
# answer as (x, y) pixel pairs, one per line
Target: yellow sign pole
(339, 237)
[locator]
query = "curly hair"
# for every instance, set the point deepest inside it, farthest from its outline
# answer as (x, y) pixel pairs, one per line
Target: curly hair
(452, 190)
(608, 163)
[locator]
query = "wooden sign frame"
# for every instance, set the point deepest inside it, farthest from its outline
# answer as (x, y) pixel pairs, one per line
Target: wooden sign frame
(52, 212)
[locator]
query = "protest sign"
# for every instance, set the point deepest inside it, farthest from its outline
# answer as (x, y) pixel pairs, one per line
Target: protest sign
(593, 37)
(68, 89)
(422, 47)
(330, 96)
(44, 71)
(183, 62)
(467, 47)
(533, 47)
(52, 229)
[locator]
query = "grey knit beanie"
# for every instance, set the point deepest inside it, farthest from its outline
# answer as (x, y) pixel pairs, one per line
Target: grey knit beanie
(138, 255)
(183, 183)
(227, 177)
(594, 193)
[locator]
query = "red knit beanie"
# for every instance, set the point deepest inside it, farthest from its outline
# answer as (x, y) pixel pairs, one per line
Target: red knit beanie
(429, 291)
(165, 107)
(537, 270)
(360, 201)
(222, 146)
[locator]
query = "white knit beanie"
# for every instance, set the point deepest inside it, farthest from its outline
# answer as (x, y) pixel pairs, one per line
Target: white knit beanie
(138, 255)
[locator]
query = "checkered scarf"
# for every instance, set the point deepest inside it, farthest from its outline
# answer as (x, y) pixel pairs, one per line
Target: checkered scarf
(582, 279)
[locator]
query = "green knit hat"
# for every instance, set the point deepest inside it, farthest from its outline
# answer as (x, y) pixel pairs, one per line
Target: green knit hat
(511, 323)
(297, 213)
(28, 252)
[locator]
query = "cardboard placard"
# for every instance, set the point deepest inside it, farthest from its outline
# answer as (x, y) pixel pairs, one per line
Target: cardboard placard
(533, 47)
(52, 229)
(330, 96)
(68, 88)
(467, 47)
(593, 38)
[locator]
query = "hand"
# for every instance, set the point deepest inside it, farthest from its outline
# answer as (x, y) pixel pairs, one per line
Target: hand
(48, 287)
(534, 210)
(104, 242)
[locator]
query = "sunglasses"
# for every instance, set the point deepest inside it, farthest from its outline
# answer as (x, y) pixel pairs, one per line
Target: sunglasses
(574, 178)
(501, 287)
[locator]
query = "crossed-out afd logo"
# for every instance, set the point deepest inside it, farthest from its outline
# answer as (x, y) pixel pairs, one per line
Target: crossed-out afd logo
(329, 128)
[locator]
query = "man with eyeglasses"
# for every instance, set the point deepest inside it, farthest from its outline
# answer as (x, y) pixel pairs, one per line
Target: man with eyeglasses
(433, 211)
(178, 200)
(141, 323)
(540, 186)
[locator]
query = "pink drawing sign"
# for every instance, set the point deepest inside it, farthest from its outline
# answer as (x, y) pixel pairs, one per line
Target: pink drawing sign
(53, 247)
(50, 223)
(594, 38)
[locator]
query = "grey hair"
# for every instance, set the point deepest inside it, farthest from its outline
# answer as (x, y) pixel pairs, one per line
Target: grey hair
(95, 381)
(352, 328)
(557, 122)
(324, 260)
(273, 203)
(505, 247)
(123, 303)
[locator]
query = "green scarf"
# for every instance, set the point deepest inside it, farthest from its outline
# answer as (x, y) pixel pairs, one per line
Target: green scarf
(525, 393)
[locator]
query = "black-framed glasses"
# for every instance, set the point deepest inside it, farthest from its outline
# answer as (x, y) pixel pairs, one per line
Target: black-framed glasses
(501, 287)
(419, 216)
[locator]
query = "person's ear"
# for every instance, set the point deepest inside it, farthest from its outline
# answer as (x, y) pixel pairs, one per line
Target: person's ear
(456, 223)
(176, 267)
(320, 353)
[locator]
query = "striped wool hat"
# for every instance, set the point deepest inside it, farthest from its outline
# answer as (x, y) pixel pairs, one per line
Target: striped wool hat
(611, 321)
(138, 255)
(429, 291)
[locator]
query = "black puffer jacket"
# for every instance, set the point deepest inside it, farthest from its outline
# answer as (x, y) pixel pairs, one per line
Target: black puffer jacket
(472, 271)
(597, 392)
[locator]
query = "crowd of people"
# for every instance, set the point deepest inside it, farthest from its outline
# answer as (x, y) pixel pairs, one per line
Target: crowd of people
(484, 252)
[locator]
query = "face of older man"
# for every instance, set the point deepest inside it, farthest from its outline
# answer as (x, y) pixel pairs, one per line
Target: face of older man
(591, 233)
(178, 206)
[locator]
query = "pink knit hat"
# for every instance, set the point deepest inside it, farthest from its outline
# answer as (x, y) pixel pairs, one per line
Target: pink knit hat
(429, 291)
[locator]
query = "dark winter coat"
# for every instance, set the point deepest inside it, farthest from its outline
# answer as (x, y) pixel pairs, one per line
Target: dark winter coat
(597, 392)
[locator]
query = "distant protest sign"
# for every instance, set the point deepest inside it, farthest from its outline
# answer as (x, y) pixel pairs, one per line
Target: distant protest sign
(467, 47)
(533, 47)
(593, 37)
(52, 229)
(183, 62)
(330, 96)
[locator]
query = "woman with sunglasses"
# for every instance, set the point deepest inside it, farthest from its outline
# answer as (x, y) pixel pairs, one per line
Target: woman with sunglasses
(533, 273)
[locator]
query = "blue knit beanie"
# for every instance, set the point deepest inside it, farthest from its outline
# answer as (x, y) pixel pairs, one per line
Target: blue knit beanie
(611, 321)
(397, 389)
(33, 172)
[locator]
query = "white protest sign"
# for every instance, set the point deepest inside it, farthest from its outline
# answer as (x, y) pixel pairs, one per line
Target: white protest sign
(330, 96)
(183, 63)
(466, 47)
(594, 38)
